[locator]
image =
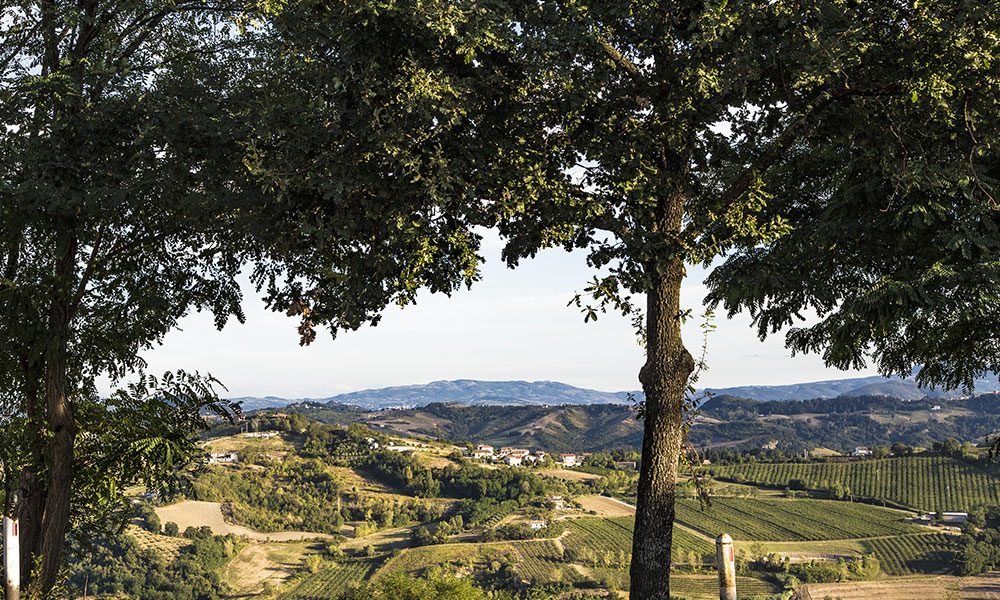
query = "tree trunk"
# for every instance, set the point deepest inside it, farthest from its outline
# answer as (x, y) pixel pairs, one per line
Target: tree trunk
(30, 514)
(664, 380)
(61, 421)
(32, 504)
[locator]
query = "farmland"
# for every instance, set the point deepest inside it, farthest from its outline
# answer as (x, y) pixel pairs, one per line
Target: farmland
(332, 579)
(707, 586)
(791, 520)
(607, 542)
(922, 483)
(542, 561)
(910, 554)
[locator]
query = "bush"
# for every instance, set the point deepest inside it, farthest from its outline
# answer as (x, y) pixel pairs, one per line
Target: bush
(170, 528)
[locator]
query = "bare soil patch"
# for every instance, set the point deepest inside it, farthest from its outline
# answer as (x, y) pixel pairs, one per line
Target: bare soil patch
(606, 507)
(260, 566)
(569, 475)
(192, 513)
(946, 587)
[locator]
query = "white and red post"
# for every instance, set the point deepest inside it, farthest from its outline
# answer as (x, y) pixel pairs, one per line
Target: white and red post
(726, 558)
(11, 558)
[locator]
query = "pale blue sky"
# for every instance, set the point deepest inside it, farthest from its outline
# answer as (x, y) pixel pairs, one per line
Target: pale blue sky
(514, 324)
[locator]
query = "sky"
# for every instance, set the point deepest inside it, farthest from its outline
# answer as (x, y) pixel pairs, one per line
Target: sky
(512, 325)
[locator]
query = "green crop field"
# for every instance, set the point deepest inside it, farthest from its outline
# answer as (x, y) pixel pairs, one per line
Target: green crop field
(707, 587)
(924, 483)
(909, 554)
(791, 520)
(332, 580)
(168, 545)
(415, 560)
(542, 562)
(608, 541)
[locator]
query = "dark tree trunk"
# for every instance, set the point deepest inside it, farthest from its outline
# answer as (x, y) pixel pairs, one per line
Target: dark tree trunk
(30, 482)
(61, 421)
(664, 380)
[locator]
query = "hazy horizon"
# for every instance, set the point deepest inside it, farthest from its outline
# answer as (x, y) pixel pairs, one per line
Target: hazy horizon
(514, 325)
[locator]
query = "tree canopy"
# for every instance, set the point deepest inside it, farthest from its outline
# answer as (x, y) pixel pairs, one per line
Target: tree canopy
(151, 152)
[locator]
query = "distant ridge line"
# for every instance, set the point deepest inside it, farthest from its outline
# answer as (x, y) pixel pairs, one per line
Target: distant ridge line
(474, 392)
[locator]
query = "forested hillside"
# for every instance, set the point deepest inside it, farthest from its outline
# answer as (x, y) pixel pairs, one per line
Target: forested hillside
(839, 424)
(554, 429)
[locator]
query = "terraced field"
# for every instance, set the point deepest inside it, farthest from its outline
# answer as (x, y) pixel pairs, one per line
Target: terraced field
(928, 483)
(910, 554)
(791, 520)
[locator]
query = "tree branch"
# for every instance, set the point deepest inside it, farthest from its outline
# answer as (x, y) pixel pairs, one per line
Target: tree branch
(81, 289)
(797, 128)
(621, 60)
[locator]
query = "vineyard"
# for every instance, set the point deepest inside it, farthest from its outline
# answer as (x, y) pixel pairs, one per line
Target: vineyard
(607, 542)
(168, 545)
(910, 554)
(415, 560)
(542, 562)
(791, 520)
(923, 483)
(332, 580)
(705, 587)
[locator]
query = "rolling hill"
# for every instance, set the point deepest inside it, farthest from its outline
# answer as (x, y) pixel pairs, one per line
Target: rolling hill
(724, 421)
(473, 392)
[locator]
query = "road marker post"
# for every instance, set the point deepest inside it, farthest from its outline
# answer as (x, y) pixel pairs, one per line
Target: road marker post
(12, 558)
(726, 560)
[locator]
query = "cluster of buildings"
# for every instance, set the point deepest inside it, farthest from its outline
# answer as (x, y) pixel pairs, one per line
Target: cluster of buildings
(511, 456)
(519, 456)
(260, 434)
(222, 457)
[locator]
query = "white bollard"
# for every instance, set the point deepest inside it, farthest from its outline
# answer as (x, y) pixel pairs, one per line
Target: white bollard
(12, 559)
(726, 559)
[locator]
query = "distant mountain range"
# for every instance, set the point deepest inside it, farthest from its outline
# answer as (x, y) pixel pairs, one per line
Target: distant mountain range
(541, 393)
(460, 391)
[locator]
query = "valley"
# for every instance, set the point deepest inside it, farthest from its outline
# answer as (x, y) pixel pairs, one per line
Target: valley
(316, 510)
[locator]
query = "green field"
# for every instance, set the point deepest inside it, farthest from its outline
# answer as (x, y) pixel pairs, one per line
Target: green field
(910, 554)
(923, 483)
(415, 560)
(332, 580)
(542, 562)
(608, 541)
(791, 520)
(707, 587)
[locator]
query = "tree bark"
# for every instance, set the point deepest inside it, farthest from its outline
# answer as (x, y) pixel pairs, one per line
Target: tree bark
(61, 421)
(664, 379)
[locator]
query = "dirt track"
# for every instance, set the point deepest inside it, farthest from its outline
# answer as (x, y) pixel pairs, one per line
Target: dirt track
(985, 587)
(192, 513)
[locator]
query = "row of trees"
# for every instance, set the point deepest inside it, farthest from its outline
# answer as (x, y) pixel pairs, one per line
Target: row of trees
(834, 157)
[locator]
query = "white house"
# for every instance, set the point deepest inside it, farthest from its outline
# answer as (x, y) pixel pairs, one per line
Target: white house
(536, 525)
(861, 451)
(400, 448)
(514, 461)
(483, 451)
(954, 517)
(222, 457)
(568, 460)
